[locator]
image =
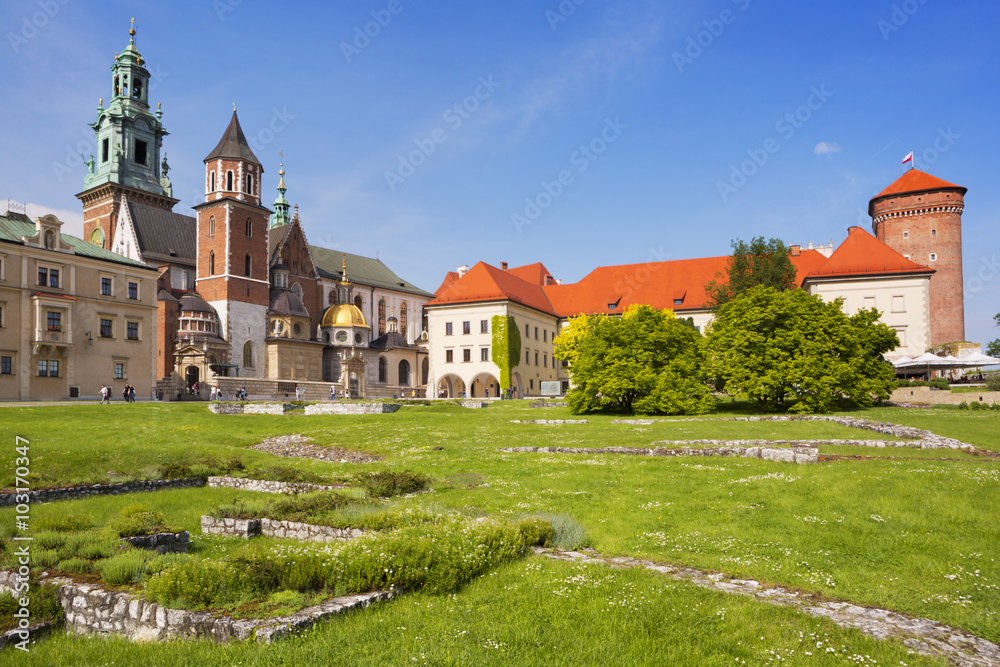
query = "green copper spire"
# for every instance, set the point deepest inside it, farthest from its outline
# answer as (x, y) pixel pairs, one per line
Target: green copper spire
(280, 215)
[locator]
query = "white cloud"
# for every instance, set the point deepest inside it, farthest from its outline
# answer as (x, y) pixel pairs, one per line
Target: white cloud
(73, 219)
(824, 148)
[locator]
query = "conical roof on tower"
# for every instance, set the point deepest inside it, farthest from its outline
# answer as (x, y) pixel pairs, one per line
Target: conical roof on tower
(912, 181)
(233, 145)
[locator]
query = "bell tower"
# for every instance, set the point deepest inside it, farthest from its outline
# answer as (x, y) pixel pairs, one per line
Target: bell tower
(920, 217)
(232, 237)
(129, 138)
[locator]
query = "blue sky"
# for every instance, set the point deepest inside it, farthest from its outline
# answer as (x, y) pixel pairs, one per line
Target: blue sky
(422, 143)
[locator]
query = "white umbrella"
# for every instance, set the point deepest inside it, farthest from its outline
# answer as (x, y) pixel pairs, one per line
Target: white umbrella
(979, 359)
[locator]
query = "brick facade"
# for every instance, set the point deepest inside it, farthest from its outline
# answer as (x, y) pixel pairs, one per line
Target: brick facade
(926, 226)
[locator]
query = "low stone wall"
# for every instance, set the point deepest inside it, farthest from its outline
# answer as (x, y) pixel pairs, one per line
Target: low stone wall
(90, 609)
(548, 404)
(345, 408)
(49, 495)
(162, 542)
(800, 455)
(247, 408)
(930, 396)
(474, 405)
(549, 421)
(267, 486)
(304, 532)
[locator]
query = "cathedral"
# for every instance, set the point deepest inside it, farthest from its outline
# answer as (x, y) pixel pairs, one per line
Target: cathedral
(243, 300)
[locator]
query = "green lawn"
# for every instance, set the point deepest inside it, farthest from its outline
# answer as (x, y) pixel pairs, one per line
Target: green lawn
(914, 534)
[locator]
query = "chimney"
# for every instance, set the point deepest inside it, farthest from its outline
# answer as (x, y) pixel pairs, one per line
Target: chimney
(503, 266)
(462, 270)
(796, 250)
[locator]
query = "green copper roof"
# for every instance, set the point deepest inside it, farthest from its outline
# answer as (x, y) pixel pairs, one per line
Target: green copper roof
(12, 229)
(280, 215)
(361, 271)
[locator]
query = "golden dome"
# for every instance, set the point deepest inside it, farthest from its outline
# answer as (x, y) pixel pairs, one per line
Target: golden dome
(343, 315)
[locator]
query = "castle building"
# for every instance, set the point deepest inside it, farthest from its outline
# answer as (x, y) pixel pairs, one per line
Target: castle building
(240, 293)
(920, 216)
(917, 221)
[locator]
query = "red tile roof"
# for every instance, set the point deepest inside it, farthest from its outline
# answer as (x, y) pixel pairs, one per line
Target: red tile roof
(658, 284)
(449, 280)
(488, 283)
(915, 180)
(861, 254)
(532, 273)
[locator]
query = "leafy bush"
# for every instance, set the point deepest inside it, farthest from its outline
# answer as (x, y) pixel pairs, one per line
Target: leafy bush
(964, 405)
(300, 508)
(244, 508)
(43, 605)
(385, 484)
(198, 584)
(75, 565)
(124, 568)
(568, 534)
(993, 382)
(976, 405)
(137, 520)
(49, 539)
(537, 532)
(62, 523)
(90, 546)
(175, 471)
(44, 558)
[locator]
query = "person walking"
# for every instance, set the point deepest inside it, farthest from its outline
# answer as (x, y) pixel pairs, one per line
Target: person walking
(105, 394)
(125, 393)
(131, 394)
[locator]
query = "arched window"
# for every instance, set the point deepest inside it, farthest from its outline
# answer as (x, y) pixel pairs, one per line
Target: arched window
(425, 371)
(249, 228)
(404, 373)
(383, 370)
(297, 289)
(357, 302)
(402, 319)
(248, 354)
(332, 299)
(229, 181)
(211, 263)
(381, 316)
(211, 181)
(249, 184)
(211, 225)
(246, 266)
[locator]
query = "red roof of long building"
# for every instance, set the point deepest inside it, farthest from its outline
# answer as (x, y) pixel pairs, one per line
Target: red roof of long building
(484, 282)
(861, 254)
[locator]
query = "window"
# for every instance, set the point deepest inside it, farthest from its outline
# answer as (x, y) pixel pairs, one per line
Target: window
(246, 266)
(105, 286)
(484, 326)
(342, 336)
(484, 354)
(119, 370)
(527, 331)
(54, 318)
(229, 181)
(48, 277)
(249, 184)
(1, 315)
(357, 302)
(898, 304)
(678, 302)
(48, 368)
(466, 327)
(404, 373)
(536, 358)
(132, 331)
(901, 334)
(531, 384)
(296, 330)
(447, 329)
(248, 354)
(466, 355)
(211, 226)
(906, 235)
(527, 357)
(449, 356)
(381, 316)
(933, 257)
(933, 232)
(104, 150)
(6, 366)
(402, 318)
(133, 291)
(211, 263)
(425, 370)
(107, 328)
(536, 333)
(383, 370)
(249, 228)
(140, 152)
(869, 302)
(545, 360)
(211, 181)
(545, 335)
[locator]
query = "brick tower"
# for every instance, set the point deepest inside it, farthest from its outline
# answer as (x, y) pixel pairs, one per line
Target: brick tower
(920, 216)
(129, 137)
(232, 261)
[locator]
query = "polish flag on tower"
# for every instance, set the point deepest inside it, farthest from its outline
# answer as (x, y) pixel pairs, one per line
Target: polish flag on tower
(908, 158)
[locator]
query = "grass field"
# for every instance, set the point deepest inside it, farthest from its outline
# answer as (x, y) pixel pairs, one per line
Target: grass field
(916, 534)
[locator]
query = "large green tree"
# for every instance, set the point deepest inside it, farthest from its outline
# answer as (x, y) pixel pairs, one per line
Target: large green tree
(777, 347)
(993, 348)
(758, 262)
(646, 362)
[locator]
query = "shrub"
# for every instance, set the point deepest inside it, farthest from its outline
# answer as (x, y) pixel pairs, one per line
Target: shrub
(43, 605)
(137, 520)
(75, 565)
(385, 484)
(939, 383)
(44, 558)
(993, 382)
(300, 508)
(976, 405)
(49, 539)
(568, 534)
(964, 405)
(285, 474)
(197, 584)
(242, 508)
(175, 471)
(63, 523)
(537, 532)
(125, 568)
(90, 546)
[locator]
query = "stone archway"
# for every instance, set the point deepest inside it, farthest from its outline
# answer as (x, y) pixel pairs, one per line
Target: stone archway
(517, 384)
(450, 386)
(484, 385)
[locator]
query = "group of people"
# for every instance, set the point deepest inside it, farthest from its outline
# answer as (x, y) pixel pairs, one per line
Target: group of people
(128, 393)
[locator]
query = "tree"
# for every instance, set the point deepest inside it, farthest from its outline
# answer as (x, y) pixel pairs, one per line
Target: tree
(752, 264)
(772, 347)
(506, 347)
(993, 348)
(645, 362)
